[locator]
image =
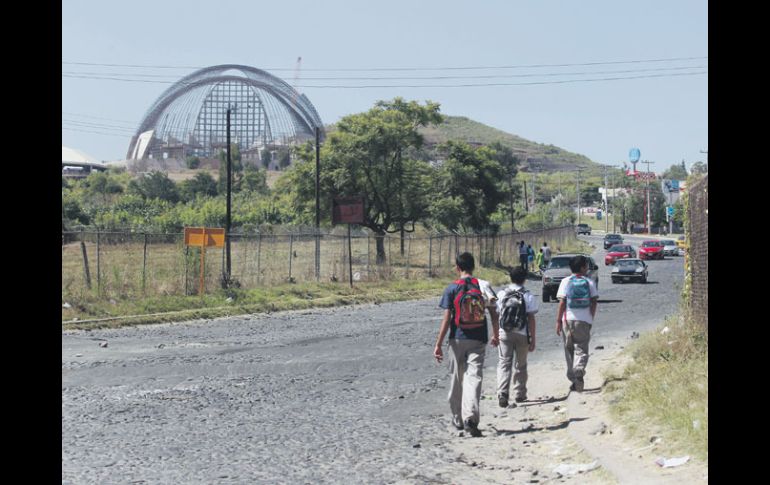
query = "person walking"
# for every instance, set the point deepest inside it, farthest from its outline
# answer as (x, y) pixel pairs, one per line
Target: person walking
(516, 308)
(523, 256)
(577, 309)
(530, 258)
(464, 302)
(546, 254)
(539, 262)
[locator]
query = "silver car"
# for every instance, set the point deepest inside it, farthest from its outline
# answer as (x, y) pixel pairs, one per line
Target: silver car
(558, 269)
(670, 248)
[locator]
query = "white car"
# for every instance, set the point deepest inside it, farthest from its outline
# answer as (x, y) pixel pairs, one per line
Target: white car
(670, 248)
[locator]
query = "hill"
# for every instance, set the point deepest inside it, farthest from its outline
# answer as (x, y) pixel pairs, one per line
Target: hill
(548, 158)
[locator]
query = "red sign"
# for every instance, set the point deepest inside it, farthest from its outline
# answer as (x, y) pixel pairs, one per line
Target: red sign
(348, 210)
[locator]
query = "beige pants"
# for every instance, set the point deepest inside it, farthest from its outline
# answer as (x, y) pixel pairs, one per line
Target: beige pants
(467, 367)
(576, 334)
(510, 343)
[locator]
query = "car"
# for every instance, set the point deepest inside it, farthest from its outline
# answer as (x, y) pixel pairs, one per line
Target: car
(618, 251)
(669, 247)
(651, 249)
(631, 269)
(681, 242)
(583, 229)
(558, 269)
(612, 239)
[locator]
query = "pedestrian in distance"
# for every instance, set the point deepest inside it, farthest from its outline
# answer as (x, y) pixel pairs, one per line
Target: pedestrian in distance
(530, 258)
(546, 254)
(464, 302)
(577, 309)
(539, 262)
(523, 256)
(516, 308)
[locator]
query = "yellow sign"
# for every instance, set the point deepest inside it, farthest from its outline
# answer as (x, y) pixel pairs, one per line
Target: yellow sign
(204, 236)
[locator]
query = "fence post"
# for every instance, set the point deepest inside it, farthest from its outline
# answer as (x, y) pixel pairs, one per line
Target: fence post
(430, 256)
(98, 264)
(368, 269)
(291, 248)
(259, 254)
(186, 265)
(144, 264)
(440, 241)
(85, 261)
(408, 251)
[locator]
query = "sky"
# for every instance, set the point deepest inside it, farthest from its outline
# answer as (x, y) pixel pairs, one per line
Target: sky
(568, 101)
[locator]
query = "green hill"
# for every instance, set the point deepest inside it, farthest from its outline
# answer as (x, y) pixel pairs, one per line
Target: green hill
(547, 158)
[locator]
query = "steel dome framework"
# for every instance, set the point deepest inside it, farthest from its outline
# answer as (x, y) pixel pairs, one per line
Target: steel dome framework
(190, 116)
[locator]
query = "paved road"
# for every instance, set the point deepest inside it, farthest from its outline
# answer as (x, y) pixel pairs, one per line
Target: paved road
(325, 396)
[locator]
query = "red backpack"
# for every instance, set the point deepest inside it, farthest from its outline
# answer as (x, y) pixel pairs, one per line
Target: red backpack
(469, 305)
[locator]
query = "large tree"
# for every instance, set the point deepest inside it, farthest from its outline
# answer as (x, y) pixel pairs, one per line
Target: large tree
(467, 188)
(510, 166)
(365, 156)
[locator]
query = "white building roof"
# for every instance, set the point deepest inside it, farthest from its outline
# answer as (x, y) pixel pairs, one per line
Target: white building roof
(76, 156)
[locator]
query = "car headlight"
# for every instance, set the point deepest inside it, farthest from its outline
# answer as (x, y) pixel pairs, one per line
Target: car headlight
(639, 270)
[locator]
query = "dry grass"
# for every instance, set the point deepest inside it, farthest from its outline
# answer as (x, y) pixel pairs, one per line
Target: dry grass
(666, 388)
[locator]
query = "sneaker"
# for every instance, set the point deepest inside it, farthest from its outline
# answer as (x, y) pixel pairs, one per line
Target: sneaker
(579, 384)
(572, 387)
(502, 401)
(472, 428)
(521, 398)
(457, 423)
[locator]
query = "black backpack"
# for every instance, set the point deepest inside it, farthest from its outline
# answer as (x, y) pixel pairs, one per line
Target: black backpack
(513, 310)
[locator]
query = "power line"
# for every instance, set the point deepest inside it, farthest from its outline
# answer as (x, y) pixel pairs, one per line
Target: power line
(96, 132)
(132, 123)
(423, 85)
(488, 76)
(520, 66)
(99, 125)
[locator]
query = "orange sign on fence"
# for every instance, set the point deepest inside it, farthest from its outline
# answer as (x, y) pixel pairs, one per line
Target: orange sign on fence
(204, 236)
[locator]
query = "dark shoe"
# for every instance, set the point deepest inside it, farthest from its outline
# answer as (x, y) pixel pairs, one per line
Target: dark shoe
(572, 387)
(502, 401)
(521, 398)
(579, 384)
(472, 428)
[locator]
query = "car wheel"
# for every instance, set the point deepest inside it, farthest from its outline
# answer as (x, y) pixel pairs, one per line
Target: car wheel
(644, 279)
(614, 280)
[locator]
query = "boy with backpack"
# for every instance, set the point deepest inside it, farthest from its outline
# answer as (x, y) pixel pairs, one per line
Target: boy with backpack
(523, 256)
(464, 302)
(516, 308)
(577, 308)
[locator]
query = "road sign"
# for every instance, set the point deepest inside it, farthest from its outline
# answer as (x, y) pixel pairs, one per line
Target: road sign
(348, 210)
(670, 211)
(204, 236)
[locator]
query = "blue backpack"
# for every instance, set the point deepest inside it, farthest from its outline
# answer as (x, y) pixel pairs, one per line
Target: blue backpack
(578, 292)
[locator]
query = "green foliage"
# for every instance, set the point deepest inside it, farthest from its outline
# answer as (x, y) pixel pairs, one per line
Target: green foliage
(266, 158)
(699, 168)
(193, 162)
(236, 166)
(254, 180)
(155, 185)
(675, 172)
(284, 158)
(202, 184)
(467, 188)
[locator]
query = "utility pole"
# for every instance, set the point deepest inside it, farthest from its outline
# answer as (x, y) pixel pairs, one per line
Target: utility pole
(606, 202)
(318, 203)
(229, 189)
(578, 193)
(647, 177)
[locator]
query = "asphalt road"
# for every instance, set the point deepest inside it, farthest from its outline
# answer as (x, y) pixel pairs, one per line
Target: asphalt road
(345, 395)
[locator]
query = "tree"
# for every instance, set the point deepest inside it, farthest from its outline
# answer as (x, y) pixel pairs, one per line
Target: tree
(103, 185)
(193, 162)
(254, 180)
(467, 188)
(284, 158)
(509, 163)
(675, 172)
(155, 185)
(699, 168)
(202, 184)
(364, 156)
(266, 158)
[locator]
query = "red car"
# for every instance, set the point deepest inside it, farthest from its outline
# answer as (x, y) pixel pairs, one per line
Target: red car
(651, 250)
(618, 251)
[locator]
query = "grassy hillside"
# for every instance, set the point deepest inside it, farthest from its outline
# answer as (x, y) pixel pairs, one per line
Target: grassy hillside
(544, 157)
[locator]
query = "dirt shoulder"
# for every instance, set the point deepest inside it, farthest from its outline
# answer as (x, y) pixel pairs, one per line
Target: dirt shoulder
(548, 438)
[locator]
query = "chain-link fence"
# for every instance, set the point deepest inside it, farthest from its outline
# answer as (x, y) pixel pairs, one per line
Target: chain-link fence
(698, 251)
(123, 264)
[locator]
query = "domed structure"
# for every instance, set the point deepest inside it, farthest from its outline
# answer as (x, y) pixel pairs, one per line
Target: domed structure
(190, 117)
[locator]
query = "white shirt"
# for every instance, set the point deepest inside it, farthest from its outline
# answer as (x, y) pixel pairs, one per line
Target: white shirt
(529, 301)
(582, 314)
(546, 253)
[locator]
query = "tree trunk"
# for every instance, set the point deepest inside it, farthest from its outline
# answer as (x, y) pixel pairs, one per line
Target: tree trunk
(379, 238)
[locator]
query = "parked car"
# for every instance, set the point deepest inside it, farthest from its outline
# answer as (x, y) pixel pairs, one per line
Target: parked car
(612, 239)
(583, 229)
(651, 250)
(669, 247)
(618, 251)
(681, 242)
(558, 269)
(631, 269)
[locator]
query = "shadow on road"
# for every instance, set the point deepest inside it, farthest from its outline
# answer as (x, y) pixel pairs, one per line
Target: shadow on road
(532, 428)
(609, 301)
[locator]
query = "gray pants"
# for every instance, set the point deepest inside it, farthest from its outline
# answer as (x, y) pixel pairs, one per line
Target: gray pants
(510, 343)
(576, 334)
(467, 367)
